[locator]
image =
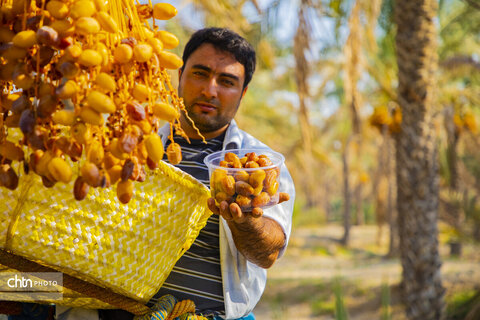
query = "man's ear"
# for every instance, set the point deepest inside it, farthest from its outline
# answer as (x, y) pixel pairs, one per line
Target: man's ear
(244, 91)
(179, 73)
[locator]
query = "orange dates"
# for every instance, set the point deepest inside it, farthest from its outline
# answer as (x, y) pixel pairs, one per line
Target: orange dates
(261, 200)
(135, 110)
(125, 191)
(60, 170)
(174, 153)
(79, 87)
(90, 174)
(243, 188)
(253, 176)
(80, 188)
(8, 177)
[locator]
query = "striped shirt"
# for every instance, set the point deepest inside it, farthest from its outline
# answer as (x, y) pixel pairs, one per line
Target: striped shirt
(244, 282)
(197, 274)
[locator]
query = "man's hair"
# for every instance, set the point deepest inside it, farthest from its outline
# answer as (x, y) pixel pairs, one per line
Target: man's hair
(225, 40)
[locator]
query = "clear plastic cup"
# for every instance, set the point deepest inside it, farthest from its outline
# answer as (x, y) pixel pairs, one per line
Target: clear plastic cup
(249, 187)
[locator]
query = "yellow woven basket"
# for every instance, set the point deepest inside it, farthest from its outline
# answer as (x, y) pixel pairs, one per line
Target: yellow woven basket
(129, 249)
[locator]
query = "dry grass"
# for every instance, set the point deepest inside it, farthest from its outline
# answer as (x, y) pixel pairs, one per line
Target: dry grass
(301, 284)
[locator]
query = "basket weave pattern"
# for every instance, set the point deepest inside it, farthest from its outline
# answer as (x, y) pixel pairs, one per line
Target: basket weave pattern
(129, 249)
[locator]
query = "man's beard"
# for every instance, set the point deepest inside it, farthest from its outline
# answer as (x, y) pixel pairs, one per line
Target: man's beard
(207, 123)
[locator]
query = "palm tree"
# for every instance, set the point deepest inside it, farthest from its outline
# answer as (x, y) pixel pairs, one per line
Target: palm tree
(417, 169)
(460, 25)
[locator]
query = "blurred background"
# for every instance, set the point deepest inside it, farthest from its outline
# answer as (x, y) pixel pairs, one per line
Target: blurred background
(325, 95)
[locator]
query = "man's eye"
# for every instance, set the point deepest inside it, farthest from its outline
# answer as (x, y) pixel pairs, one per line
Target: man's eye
(227, 82)
(200, 73)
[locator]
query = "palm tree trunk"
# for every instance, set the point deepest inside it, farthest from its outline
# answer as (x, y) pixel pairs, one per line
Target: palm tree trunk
(391, 212)
(452, 143)
(417, 168)
(359, 216)
(301, 42)
(326, 203)
(452, 160)
(353, 69)
(347, 195)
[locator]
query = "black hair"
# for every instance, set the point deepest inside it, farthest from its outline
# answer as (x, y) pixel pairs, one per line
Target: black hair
(224, 40)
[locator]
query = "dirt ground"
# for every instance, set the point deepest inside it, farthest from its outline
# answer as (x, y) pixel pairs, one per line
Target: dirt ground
(301, 285)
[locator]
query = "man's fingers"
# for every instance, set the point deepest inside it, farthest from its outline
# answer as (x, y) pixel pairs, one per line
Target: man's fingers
(282, 196)
(212, 206)
(225, 210)
(233, 210)
(222, 210)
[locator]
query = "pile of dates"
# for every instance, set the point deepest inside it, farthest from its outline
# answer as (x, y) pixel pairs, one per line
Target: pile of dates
(250, 181)
(84, 91)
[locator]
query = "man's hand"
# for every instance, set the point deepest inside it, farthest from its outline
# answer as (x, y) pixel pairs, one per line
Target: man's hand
(233, 211)
(258, 238)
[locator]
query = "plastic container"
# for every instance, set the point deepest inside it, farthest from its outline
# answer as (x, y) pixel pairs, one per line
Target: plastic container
(234, 177)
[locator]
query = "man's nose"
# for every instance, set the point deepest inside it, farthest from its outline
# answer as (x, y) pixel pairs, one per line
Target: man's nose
(210, 88)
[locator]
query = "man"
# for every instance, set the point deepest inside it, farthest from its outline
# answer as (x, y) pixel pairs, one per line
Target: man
(224, 270)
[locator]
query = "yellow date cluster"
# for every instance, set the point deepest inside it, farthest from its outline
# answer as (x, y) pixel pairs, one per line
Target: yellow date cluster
(381, 118)
(84, 91)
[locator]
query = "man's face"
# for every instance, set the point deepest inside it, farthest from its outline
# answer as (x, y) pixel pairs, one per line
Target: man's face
(211, 86)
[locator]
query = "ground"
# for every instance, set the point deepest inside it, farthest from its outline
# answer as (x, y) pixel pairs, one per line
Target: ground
(316, 270)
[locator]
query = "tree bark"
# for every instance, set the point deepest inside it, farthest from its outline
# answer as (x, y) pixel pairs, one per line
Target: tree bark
(417, 168)
(452, 142)
(359, 216)
(476, 231)
(326, 203)
(347, 195)
(452, 160)
(302, 71)
(391, 212)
